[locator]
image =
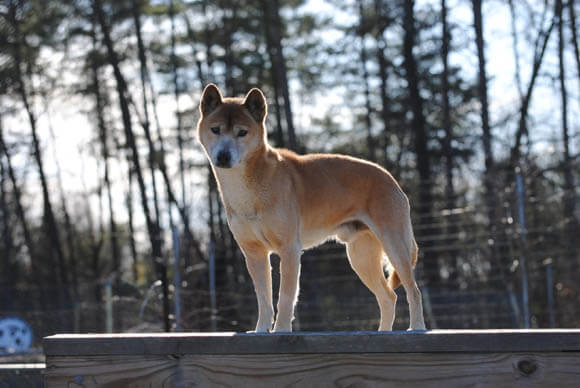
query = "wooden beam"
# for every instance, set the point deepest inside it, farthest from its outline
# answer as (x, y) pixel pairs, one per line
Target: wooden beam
(435, 341)
(450, 358)
(313, 370)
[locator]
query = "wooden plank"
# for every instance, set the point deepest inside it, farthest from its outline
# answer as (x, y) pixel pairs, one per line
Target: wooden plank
(320, 370)
(436, 341)
(22, 375)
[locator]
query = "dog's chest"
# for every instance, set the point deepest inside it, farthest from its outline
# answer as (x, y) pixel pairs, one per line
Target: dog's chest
(242, 201)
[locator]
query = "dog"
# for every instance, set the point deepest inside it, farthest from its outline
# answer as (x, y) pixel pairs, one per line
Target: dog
(277, 201)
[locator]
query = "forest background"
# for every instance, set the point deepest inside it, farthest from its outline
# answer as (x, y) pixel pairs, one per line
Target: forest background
(472, 105)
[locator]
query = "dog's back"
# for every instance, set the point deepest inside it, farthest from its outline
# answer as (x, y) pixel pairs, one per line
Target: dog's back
(334, 189)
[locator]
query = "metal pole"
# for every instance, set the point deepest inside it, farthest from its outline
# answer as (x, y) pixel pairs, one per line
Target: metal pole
(212, 295)
(523, 233)
(108, 306)
(77, 316)
(550, 291)
(176, 279)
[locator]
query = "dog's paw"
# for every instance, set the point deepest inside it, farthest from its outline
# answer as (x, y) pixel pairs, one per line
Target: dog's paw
(259, 330)
(282, 329)
(422, 329)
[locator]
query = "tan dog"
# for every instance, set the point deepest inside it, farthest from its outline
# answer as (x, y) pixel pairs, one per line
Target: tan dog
(281, 202)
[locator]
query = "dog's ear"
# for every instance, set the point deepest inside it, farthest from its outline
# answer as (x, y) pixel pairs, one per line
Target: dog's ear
(255, 103)
(211, 98)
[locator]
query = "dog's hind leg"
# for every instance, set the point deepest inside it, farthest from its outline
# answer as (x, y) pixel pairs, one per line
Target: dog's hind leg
(391, 223)
(258, 263)
(365, 254)
(402, 251)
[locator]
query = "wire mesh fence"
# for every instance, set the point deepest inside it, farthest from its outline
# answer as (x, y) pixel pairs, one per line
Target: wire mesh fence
(471, 274)
(21, 376)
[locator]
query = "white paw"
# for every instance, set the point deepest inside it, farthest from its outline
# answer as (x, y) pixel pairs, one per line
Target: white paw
(261, 330)
(283, 329)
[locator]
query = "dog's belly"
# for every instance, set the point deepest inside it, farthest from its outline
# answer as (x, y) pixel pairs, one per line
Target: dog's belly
(312, 238)
(342, 232)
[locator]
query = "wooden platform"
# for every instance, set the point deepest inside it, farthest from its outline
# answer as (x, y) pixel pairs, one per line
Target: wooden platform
(442, 358)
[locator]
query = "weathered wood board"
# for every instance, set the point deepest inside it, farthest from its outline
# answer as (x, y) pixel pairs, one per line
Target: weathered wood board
(498, 358)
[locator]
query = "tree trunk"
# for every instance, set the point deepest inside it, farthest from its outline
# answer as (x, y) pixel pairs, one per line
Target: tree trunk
(229, 23)
(279, 139)
(7, 237)
(446, 111)
(419, 128)
(173, 58)
(540, 45)
(572, 14)
(180, 132)
(365, 75)
(132, 244)
(146, 123)
(272, 17)
(103, 139)
(208, 39)
(569, 190)
(9, 270)
(447, 146)
(515, 40)
(20, 213)
(153, 229)
(157, 159)
(96, 243)
(490, 196)
(51, 227)
(382, 24)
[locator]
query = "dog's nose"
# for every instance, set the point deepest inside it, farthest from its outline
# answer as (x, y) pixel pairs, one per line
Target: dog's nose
(223, 159)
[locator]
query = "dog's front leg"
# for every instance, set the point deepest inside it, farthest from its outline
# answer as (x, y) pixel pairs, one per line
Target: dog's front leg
(258, 263)
(289, 278)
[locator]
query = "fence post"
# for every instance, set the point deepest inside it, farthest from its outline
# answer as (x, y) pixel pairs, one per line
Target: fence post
(76, 316)
(108, 306)
(550, 290)
(212, 294)
(523, 233)
(176, 279)
(426, 296)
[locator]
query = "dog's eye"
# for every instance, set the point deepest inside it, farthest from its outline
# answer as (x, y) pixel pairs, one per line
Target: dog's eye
(242, 133)
(215, 130)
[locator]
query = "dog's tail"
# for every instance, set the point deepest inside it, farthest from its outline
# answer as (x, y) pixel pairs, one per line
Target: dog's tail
(393, 279)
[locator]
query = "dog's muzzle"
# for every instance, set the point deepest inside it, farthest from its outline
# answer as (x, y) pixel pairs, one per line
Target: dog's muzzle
(224, 159)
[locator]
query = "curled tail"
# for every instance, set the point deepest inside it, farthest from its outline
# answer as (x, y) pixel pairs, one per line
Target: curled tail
(393, 279)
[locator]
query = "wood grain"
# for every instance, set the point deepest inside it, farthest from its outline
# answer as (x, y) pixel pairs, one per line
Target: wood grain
(484, 358)
(324, 370)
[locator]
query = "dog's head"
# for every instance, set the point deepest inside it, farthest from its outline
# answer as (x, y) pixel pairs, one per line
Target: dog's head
(231, 129)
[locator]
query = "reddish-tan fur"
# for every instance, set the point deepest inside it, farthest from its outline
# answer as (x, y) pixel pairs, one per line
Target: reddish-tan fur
(278, 201)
